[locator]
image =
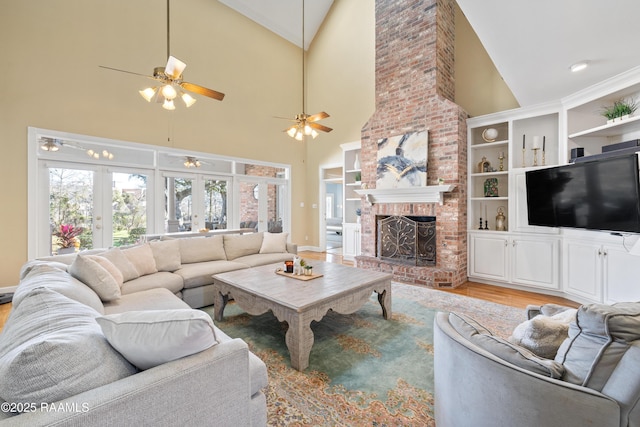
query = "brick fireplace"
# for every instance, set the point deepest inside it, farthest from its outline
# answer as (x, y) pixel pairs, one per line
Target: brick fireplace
(415, 92)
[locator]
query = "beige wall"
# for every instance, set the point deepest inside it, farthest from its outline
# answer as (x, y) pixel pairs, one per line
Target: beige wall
(50, 56)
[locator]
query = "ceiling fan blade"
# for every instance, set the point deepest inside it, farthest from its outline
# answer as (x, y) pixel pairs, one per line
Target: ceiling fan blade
(318, 126)
(318, 116)
(128, 72)
(174, 67)
(202, 90)
(285, 118)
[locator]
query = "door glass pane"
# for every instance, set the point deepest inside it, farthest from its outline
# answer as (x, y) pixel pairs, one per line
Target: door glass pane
(275, 207)
(215, 204)
(70, 209)
(249, 205)
(178, 204)
(129, 205)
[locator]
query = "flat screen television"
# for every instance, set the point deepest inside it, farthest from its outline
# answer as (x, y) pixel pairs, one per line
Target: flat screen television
(594, 195)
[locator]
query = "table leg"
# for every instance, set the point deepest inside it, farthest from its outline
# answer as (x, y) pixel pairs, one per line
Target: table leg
(384, 299)
(219, 303)
(299, 339)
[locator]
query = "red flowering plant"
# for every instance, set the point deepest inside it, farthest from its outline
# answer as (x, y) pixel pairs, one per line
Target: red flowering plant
(67, 234)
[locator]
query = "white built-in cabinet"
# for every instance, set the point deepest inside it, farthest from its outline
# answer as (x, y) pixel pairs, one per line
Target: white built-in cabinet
(586, 266)
(352, 202)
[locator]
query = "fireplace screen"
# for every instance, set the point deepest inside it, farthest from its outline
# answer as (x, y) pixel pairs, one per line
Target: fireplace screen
(407, 239)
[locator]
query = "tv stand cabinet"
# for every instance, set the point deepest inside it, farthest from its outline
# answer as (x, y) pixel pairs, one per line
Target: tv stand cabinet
(584, 266)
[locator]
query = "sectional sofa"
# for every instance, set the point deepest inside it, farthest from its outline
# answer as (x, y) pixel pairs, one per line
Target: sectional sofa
(111, 337)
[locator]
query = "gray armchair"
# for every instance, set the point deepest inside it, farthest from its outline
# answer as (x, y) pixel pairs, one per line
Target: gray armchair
(474, 387)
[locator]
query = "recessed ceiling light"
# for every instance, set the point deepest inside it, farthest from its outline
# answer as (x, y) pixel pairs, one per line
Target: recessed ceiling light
(579, 66)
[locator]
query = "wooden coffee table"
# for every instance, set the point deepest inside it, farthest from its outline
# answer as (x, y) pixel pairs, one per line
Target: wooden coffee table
(341, 289)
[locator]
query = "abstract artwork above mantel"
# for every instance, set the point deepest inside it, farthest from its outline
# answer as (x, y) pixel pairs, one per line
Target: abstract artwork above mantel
(402, 161)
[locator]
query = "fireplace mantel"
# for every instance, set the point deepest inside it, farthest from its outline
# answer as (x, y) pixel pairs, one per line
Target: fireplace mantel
(427, 194)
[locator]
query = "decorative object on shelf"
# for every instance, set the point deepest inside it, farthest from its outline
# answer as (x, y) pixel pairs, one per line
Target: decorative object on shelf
(356, 164)
(544, 149)
(484, 165)
(523, 150)
(491, 188)
(501, 220)
(402, 161)
(357, 177)
(501, 158)
(358, 214)
(535, 149)
(490, 134)
(620, 110)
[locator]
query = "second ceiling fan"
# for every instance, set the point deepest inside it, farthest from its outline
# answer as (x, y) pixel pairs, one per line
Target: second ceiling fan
(170, 81)
(306, 124)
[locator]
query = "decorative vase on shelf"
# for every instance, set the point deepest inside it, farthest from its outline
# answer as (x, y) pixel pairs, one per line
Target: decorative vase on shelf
(356, 163)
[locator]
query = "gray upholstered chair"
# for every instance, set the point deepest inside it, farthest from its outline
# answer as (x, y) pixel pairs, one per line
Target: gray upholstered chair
(593, 381)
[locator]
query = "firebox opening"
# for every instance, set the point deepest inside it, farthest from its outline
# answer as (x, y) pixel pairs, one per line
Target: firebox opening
(407, 240)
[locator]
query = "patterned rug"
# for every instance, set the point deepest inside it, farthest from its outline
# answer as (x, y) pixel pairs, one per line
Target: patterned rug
(363, 370)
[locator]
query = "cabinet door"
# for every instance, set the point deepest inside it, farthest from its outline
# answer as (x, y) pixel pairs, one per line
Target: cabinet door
(488, 258)
(350, 240)
(582, 269)
(535, 261)
(621, 273)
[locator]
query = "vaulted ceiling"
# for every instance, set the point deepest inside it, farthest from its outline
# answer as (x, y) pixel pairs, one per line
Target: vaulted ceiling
(531, 43)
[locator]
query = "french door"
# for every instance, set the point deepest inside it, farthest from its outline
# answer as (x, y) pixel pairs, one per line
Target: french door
(263, 204)
(90, 206)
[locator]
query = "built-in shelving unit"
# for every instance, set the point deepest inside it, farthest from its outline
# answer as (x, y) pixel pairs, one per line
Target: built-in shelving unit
(352, 200)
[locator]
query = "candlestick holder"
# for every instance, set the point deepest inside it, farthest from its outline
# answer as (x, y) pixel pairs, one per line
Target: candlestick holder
(501, 158)
(543, 159)
(523, 153)
(535, 156)
(480, 228)
(486, 224)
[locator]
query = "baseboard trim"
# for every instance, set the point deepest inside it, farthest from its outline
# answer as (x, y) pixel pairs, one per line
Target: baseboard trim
(8, 289)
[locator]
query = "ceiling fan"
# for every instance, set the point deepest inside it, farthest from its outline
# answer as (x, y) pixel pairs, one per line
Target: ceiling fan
(169, 80)
(305, 124)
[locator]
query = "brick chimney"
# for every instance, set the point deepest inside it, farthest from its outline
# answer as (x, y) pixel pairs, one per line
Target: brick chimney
(415, 89)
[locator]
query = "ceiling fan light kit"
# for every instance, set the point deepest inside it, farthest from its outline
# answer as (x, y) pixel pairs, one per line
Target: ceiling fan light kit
(170, 81)
(304, 124)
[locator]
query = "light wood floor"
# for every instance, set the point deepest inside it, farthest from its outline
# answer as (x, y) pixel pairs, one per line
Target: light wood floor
(511, 297)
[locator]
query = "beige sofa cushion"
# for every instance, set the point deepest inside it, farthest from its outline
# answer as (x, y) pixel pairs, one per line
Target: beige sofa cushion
(109, 266)
(52, 348)
(274, 243)
(200, 274)
(94, 275)
(142, 259)
(166, 254)
(123, 264)
(161, 279)
(151, 338)
(43, 275)
(201, 249)
(236, 246)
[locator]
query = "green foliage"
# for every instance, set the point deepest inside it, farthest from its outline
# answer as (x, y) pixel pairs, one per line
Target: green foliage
(621, 107)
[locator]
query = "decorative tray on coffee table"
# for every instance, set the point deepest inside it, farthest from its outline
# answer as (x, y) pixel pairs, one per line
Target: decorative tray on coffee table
(297, 276)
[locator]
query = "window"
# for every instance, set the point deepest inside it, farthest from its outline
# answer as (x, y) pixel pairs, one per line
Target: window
(115, 192)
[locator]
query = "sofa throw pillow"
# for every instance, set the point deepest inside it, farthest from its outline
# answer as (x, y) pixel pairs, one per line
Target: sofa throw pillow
(201, 249)
(151, 338)
(110, 267)
(166, 254)
(141, 257)
(542, 334)
(598, 340)
(519, 356)
(274, 243)
(53, 278)
(51, 348)
(94, 275)
(123, 264)
(236, 246)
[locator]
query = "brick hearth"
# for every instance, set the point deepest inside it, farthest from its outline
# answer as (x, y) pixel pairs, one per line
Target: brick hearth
(415, 91)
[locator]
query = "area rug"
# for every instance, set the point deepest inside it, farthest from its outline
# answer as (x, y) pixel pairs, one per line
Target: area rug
(363, 370)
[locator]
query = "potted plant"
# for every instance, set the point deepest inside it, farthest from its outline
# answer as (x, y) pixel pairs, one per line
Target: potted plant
(358, 177)
(66, 237)
(620, 110)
